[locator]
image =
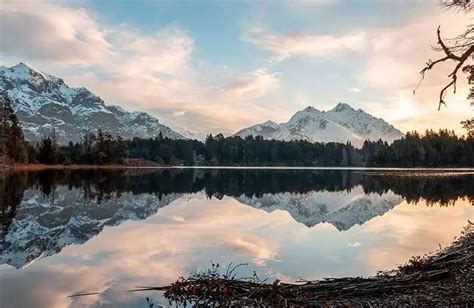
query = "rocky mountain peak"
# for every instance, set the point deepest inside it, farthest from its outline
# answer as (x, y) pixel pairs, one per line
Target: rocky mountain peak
(270, 123)
(44, 103)
(342, 107)
(311, 109)
(340, 124)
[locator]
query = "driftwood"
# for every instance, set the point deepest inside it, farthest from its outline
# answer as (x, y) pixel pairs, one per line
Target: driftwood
(444, 278)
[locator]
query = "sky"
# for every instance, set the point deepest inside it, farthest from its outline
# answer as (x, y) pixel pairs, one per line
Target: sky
(218, 66)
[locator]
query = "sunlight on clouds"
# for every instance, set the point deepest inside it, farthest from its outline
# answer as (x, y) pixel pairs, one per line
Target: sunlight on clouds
(398, 54)
(394, 56)
(72, 37)
(356, 90)
(166, 52)
(159, 72)
(258, 84)
(285, 46)
(149, 72)
(394, 62)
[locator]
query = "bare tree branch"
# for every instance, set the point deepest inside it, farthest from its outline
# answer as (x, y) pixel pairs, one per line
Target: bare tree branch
(461, 5)
(449, 54)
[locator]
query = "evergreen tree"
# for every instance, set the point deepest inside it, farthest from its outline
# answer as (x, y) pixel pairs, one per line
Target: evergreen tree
(13, 147)
(48, 151)
(468, 124)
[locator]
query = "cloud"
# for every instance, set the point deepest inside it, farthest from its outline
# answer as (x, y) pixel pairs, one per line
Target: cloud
(258, 84)
(72, 37)
(75, 38)
(356, 90)
(156, 71)
(285, 46)
(179, 113)
(153, 72)
(122, 65)
(166, 52)
(394, 59)
(397, 54)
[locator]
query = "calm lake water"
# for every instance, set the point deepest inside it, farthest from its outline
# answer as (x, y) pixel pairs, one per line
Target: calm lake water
(68, 232)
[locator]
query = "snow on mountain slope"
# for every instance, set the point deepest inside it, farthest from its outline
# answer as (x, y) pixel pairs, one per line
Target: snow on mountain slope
(44, 103)
(194, 135)
(343, 209)
(267, 130)
(364, 124)
(340, 124)
(312, 125)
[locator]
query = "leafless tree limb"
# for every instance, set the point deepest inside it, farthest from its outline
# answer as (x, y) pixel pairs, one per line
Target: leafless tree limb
(456, 53)
(461, 5)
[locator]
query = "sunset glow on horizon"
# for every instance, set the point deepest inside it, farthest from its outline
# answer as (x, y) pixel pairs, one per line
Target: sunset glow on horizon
(220, 66)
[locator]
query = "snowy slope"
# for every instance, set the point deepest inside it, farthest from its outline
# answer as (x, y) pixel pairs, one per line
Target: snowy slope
(343, 209)
(44, 103)
(194, 135)
(313, 125)
(267, 130)
(340, 124)
(363, 124)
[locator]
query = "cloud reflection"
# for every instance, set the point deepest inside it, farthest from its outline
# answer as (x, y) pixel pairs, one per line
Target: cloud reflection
(161, 248)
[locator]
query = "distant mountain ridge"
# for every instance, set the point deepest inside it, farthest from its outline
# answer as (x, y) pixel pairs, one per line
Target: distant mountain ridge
(340, 124)
(44, 103)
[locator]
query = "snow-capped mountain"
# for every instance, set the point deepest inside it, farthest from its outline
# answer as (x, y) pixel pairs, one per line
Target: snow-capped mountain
(43, 226)
(343, 209)
(194, 135)
(44, 103)
(267, 130)
(340, 124)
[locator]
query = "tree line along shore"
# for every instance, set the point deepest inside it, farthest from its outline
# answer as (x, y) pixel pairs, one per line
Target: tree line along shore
(432, 149)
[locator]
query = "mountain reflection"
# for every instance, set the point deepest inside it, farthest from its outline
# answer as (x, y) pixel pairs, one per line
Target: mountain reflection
(43, 211)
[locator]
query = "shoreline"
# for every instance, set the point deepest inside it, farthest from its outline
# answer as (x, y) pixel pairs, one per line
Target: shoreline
(33, 167)
(443, 278)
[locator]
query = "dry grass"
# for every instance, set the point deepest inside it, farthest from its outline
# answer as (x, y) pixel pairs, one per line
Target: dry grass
(445, 278)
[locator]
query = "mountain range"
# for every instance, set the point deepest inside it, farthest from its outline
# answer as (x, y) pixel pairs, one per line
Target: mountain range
(341, 124)
(45, 104)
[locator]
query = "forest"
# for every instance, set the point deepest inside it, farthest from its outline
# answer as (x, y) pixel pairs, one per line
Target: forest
(432, 149)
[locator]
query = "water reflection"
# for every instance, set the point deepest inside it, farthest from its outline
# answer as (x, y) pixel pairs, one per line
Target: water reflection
(166, 223)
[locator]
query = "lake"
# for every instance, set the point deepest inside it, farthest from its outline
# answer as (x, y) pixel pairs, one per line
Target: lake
(65, 232)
